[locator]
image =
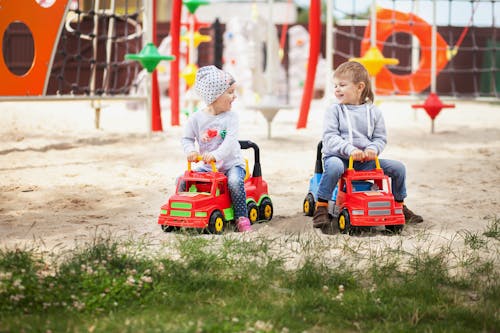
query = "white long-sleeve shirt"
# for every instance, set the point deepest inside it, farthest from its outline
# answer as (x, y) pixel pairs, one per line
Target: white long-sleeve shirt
(217, 134)
(350, 127)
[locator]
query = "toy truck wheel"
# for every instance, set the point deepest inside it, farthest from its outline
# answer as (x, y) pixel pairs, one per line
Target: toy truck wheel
(308, 205)
(253, 212)
(266, 209)
(395, 229)
(345, 222)
(168, 228)
(216, 223)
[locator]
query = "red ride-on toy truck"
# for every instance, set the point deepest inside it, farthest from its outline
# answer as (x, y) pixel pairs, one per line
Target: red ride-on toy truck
(365, 199)
(204, 201)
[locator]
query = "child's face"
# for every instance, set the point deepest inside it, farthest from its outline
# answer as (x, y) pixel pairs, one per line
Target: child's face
(346, 91)
(223, 102)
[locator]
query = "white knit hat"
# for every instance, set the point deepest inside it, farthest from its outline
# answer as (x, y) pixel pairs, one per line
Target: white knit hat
(212, 82)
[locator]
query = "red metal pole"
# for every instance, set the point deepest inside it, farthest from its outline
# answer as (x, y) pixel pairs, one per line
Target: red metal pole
(314, 49)
(156, 124)
(175, 24)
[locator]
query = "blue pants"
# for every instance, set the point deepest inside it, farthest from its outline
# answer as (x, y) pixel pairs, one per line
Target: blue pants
(334, 167)
(236, 186)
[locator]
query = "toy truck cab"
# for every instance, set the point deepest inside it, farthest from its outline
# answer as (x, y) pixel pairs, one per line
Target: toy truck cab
(365, 199)
(202, 199)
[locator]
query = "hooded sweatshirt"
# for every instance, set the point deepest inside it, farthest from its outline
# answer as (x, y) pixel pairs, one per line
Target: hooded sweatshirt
(217, 134)
(350, 127)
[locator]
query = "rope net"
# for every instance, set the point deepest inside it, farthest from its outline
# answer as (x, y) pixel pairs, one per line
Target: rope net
(467, 56)
(90, 58)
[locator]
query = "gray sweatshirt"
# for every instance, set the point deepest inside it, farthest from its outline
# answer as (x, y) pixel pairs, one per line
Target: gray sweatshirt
(347, 127)
(217, 134)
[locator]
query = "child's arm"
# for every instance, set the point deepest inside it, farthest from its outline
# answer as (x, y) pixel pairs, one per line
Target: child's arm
(379, 136)
(333, 142)
(188, 141)
(230, 142)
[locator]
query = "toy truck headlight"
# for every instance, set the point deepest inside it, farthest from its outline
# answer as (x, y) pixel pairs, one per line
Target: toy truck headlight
(358, 212)
(398, 211)
(200, 214)
(164, 212)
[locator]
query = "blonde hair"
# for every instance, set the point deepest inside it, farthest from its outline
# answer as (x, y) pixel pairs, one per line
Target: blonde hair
(357, 73)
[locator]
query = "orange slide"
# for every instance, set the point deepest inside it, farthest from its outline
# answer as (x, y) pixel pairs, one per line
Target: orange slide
(44, 24)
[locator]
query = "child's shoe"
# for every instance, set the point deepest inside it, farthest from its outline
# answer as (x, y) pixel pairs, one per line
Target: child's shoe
(244, 224)
(411, 217)
(321, 217)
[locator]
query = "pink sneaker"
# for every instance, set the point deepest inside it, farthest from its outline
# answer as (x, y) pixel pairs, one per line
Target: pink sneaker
(244, 224)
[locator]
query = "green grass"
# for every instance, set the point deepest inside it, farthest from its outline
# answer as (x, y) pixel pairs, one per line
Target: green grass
(222, 284)
(493, 230)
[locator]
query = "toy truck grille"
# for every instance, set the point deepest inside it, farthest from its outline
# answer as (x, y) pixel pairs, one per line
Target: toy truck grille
(379, 212)
(379, 204)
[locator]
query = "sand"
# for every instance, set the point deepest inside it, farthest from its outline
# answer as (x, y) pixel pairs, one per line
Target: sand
(63, 182)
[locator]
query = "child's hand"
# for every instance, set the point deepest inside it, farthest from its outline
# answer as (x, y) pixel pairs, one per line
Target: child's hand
(370, 154)
(193, 156)
(358, 155)
(208, 158)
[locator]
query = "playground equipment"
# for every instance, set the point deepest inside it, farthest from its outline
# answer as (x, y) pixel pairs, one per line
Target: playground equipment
(390, 22)
(77, 51)
(193, 37)
(149, 59)
(36, 18)
(374, 61)
(314, 49)
(262, 79)
(433, 106)
(407, 36)
(267, 84)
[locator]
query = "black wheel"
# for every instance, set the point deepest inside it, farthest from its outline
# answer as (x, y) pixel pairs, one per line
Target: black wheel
(216, 225)
(168, 228)
(308, 205)
(266, 210)
(345, 222)
(395, 229)
(253, 212)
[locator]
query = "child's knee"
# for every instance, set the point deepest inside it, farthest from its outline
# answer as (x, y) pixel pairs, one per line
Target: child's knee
(334, 167)
(234, 183)
(399, 169)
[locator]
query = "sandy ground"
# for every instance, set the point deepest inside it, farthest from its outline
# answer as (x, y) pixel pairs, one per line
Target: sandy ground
(62, 181)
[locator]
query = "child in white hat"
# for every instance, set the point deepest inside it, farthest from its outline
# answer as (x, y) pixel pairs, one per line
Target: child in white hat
(215, 130)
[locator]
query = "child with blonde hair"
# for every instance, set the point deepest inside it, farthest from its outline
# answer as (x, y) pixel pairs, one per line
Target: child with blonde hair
(355, 127)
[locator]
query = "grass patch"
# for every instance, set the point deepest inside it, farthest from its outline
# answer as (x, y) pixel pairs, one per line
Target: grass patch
(493, 229)
(222, 284)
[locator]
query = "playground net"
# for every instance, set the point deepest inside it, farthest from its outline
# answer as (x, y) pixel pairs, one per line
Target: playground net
(90, 58)
(467, 57)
